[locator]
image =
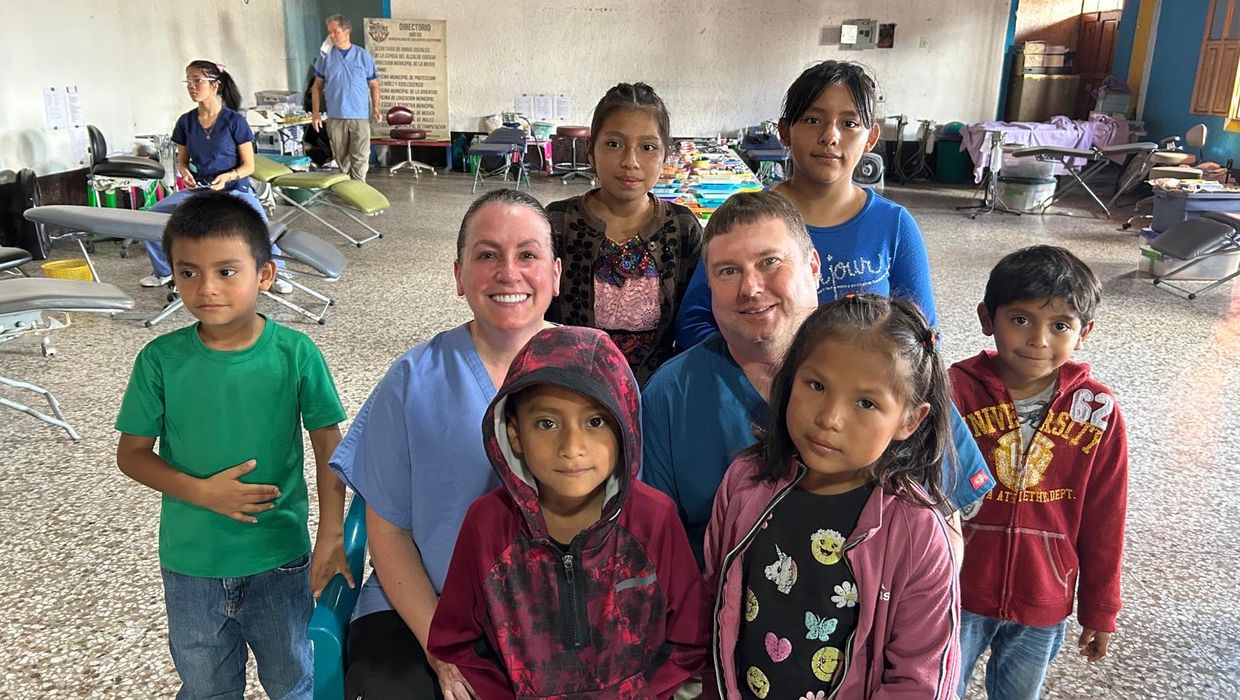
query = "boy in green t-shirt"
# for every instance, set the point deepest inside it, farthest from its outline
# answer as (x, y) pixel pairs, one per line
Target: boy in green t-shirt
(224, 397)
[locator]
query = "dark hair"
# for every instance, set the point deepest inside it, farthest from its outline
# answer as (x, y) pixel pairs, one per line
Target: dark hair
(509, 197)
(813, 80)
(230, 94)
(1044, 272)
(910, 468)
(211, 214)
(744, 208)
(639, 96)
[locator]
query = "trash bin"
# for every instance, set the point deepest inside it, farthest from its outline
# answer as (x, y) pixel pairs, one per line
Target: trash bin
(951, 164)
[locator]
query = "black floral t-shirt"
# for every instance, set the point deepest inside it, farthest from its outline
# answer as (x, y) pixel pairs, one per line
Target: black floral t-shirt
(800, 606)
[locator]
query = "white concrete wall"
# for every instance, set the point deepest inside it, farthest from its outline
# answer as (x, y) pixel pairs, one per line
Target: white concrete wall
(719, 64)
(127, 58)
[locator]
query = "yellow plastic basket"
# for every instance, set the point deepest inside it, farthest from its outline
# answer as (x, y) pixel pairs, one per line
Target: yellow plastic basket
(71, 269)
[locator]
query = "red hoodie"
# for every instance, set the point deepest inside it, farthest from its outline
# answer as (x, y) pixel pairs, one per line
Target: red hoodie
(1024, 547)
(622, 613)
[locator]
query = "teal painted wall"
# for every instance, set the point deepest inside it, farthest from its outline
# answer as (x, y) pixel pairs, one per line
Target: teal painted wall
(1177, 47)
(304, 30)
(1123, 43)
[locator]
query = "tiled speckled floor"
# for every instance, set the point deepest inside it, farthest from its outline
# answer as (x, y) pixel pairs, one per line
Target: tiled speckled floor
(81, 607)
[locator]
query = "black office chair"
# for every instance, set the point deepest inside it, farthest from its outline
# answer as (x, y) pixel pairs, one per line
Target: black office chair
(134, 167)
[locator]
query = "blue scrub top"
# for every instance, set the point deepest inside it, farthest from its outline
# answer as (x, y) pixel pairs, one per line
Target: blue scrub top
(415, 451)
(215, 151)
(346, 76)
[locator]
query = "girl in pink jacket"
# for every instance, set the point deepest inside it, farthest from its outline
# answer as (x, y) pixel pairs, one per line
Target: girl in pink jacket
(827, 550)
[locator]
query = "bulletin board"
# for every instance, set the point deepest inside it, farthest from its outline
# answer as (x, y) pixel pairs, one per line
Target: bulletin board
(411, 60)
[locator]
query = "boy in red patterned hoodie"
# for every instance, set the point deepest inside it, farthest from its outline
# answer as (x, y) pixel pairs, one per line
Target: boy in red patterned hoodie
(1053, 527)
(573, 579)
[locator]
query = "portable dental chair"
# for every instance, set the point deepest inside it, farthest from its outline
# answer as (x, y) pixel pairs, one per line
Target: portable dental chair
(1095, 159)
(1171, 161)
(331, 189)
(26, 305)
(305, 255)
(761, 145)
(508, 143)
(1195, 241)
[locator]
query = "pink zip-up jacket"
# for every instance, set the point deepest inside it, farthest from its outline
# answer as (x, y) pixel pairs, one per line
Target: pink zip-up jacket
(906, 644)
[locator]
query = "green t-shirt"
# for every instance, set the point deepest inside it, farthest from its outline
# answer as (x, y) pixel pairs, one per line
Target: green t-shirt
(212, 410)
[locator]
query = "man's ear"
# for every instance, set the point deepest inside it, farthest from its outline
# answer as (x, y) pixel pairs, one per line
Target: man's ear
(983, 316)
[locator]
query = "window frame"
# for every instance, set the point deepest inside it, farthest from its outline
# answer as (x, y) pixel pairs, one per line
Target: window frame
(1218, 67)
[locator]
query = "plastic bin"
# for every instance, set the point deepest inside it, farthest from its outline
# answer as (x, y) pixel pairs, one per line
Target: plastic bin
(1023, 194)
(1156, 264)
(70, 269)
(951, 164)
(1026, 168)
(1172, 207)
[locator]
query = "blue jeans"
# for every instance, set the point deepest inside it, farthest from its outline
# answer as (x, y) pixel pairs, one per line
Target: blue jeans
(1019, 655)
(211, 620)
(155, 251)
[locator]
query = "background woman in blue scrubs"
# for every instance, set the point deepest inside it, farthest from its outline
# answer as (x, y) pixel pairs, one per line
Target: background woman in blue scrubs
(214, 138)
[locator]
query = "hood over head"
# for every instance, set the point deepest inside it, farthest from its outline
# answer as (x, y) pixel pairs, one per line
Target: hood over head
(586, 361)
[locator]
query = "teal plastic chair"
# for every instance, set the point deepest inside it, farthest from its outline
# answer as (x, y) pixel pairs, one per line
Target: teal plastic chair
(330, 621)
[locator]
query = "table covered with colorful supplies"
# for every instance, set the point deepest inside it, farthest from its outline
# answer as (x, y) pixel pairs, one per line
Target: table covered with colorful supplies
(701, 176)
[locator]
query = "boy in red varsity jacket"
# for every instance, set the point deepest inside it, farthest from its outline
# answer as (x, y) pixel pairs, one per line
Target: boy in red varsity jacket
(573, 579)
(1053, 527)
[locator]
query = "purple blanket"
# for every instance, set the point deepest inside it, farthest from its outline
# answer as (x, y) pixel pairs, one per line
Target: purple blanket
(1099, 130)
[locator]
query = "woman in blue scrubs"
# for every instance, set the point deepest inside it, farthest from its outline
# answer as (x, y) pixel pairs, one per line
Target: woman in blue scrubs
(214, 138)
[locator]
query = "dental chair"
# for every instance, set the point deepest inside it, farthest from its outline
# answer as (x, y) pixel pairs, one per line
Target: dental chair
(116, 172)
(1195, 241)
(331, 189)
(329, 623)
(26, 308)
(507, 143)
(761, 145)
(1095, 159)
(1170, 161)
(306, 256)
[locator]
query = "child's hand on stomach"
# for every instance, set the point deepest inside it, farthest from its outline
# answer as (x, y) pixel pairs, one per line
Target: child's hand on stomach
(227, 495)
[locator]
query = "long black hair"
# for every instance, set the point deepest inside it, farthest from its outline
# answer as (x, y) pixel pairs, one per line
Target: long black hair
(230, 94)
(910, 468)
(813, 80)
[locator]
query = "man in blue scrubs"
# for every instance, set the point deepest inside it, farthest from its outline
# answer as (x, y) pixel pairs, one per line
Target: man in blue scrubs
(700, 408)
(345, 75)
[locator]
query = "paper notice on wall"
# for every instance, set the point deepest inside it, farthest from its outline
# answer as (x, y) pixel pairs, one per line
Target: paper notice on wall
(524, 104)
(74, 98)
(78, 141)
(55, 108)
(412, 64)
(563, 108)
(544, 108)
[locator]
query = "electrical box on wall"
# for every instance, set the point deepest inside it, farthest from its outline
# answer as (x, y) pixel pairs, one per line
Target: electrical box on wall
(859, 33)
